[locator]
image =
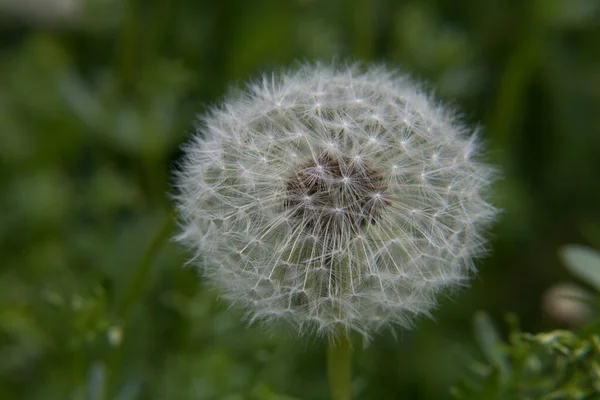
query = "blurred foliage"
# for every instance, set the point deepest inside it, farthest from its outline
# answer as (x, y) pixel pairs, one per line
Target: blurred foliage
(547, 366)
(554, 365)
(97, 96)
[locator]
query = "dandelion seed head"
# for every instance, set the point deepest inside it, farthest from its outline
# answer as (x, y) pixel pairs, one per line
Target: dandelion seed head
(351, 207)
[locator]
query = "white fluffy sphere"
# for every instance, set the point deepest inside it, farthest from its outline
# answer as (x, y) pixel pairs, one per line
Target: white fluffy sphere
(333, 198)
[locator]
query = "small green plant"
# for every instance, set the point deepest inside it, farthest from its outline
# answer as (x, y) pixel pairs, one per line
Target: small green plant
(559, 364)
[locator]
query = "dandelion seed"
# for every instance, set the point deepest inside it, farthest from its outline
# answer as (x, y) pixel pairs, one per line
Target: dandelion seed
(320, 227)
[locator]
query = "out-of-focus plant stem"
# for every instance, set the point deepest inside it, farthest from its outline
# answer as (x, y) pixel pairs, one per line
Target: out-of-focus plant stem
(508, 111)
(339, 368)
(128, 45)
(131, 296)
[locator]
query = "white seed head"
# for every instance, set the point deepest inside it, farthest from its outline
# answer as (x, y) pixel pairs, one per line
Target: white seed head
(336, 199)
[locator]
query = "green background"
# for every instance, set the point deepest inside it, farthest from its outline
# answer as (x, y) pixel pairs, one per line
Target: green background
(95, 301)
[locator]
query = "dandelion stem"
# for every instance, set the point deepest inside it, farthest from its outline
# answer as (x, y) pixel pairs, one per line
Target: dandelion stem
(339, 368)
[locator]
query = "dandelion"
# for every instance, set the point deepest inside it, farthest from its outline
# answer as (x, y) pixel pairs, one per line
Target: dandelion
(336, 199)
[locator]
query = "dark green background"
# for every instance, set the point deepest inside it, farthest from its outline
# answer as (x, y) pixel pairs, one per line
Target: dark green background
(94, 108)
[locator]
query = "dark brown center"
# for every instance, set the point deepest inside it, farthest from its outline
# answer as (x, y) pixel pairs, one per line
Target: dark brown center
(335, 195)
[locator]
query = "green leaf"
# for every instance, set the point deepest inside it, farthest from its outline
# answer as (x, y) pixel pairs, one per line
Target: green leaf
(489, 340)
(583, 262)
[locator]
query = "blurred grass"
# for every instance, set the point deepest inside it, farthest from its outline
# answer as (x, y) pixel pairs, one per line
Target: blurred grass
(95, 104)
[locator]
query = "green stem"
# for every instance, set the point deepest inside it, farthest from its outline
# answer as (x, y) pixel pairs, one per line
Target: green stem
(128, 44)
(508, 112)
(142, 270)
(131, 296)
(339, 368)
(363, 28)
